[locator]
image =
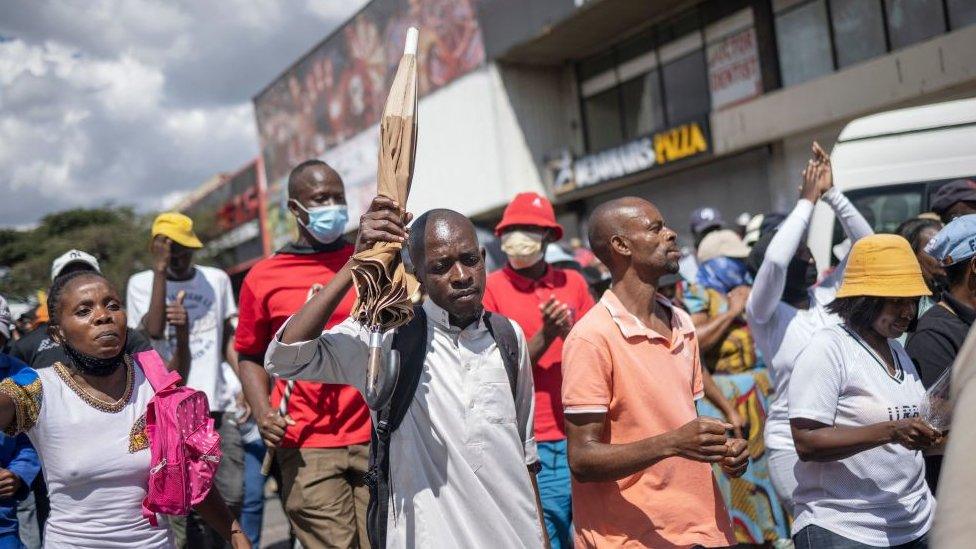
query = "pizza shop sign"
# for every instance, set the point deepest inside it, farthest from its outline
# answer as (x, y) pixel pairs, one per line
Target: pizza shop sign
(568, 174)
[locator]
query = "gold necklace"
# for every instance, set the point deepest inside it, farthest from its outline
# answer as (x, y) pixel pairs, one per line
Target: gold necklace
(93, 401)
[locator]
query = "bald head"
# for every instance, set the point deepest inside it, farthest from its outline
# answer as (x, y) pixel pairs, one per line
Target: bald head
(309, 175)
(631, 230)
(447, 258)
(436, 226)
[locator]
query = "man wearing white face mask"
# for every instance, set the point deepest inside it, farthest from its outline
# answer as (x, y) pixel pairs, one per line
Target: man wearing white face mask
(544, 301)
(323, 440)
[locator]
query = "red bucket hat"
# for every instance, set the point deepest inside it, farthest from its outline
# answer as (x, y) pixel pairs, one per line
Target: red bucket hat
(529, 209)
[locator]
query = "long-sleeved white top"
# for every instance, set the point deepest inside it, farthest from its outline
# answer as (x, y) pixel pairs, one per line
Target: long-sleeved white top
(780, 330)
(458, 462)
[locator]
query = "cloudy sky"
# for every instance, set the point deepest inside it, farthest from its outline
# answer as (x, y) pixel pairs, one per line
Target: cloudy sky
(137, 101)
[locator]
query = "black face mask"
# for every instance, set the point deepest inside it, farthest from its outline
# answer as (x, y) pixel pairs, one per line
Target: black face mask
(93, 365)
(800, 276)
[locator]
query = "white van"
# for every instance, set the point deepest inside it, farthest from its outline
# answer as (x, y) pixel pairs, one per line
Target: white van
(890, 164)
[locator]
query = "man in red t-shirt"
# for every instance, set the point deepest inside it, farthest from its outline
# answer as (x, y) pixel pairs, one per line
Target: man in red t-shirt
(323, 440)
(545, 301)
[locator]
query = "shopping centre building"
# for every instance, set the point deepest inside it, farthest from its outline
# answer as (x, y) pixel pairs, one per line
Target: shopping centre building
(685, 103)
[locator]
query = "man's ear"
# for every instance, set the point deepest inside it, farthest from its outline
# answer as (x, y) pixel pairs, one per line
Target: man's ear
(55, 333)
(620, 245)
(295, 210)
(484, 254)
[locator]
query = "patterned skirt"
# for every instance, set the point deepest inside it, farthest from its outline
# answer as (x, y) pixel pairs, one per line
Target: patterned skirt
(757, 514)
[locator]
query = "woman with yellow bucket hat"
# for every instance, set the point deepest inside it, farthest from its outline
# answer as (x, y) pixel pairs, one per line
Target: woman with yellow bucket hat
(854, 402)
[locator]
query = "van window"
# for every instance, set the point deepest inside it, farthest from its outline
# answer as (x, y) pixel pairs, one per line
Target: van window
(885, 208)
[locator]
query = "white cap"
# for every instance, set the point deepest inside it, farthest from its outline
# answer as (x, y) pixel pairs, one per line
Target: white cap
(73, 256)
(722, 243)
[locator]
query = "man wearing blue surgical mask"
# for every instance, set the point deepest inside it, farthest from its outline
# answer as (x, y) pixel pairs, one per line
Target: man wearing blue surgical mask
(322, 439)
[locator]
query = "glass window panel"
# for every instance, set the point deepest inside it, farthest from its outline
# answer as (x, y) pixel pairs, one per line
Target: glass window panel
(961, 13)
(686, 88)
(911, 21)
(858, 30)
(643, 109)
(804, 43)
(602, 113)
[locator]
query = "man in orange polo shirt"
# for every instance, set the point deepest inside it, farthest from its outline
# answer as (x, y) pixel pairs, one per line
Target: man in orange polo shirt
(323, 440)
(638, 451)
(544, 301)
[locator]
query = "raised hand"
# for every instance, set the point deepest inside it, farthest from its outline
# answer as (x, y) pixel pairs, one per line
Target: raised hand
(176, 313)
(160, 248)
(738, 298)
(383, 222)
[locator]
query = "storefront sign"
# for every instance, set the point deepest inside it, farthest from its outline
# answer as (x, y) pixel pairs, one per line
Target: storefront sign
(568, 174)
(733, 69)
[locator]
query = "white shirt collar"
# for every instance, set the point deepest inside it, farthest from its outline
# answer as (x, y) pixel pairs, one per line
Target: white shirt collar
(441, 318)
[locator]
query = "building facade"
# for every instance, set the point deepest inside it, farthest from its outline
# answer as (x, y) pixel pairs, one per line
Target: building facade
(229, 214)
(686, 103)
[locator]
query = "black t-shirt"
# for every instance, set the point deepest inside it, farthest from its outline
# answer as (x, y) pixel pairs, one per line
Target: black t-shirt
(938, 337)
(38, 350)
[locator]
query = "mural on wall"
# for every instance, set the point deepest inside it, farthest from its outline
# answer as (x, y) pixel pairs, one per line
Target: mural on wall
(338, 89)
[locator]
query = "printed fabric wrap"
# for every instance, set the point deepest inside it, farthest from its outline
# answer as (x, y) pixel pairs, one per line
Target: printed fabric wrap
(722, 274)
(736, 353)
(758, 517)
(24, 388)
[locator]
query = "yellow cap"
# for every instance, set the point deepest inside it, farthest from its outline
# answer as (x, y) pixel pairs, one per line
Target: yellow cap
(883, 265)
(177, 227)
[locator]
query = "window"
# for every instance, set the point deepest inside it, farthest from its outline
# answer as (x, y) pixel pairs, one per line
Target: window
(686, 88)
(859, 32)
(602, 112)
(911, 21)
(804, 42)
(961, 13)
(642, 106)
(637, 89)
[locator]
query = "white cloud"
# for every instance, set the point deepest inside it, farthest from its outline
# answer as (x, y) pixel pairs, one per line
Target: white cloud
(137, 101)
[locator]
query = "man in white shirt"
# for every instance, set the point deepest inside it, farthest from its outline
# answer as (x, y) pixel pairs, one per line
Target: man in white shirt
(208, 298)
(462, 462)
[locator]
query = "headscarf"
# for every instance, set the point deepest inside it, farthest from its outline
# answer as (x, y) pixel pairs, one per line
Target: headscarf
(722, 274)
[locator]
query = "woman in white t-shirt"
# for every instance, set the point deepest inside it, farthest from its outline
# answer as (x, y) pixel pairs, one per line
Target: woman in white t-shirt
(785, 309)
(854, 401)
(86, 418)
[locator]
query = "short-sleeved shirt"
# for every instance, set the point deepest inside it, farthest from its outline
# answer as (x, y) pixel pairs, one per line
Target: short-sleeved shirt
(878, 496)
(458, 462)
(519, 298)
(209, 302)
(647, 386)
(326, 415)
(938, 337)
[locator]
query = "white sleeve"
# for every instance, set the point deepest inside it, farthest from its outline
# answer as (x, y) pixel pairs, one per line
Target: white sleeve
(136, 301)
(855, 227)
(818, 379)
(525, 399)
(230, 302)
(338, 356)
(767, 289)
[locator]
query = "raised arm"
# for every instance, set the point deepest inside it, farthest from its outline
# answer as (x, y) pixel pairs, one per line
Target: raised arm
(767, 289)
(154, 322)
(382, 223)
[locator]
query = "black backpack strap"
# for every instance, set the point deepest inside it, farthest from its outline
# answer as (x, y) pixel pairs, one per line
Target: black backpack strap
(501, 330)
(410, 341)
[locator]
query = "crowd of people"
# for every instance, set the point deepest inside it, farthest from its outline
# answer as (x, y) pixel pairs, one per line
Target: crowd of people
(625, 394)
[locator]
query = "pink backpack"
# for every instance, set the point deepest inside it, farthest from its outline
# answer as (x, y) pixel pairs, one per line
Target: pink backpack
(183, 445)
